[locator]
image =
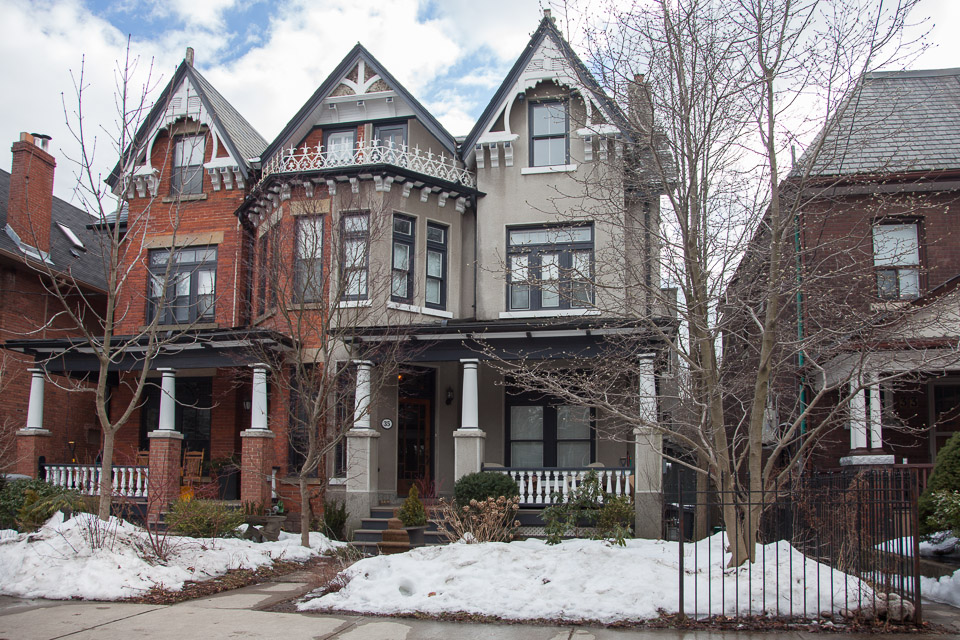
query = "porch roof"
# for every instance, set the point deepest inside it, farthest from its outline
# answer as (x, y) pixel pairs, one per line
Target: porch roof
(197, 349)
(546, 340)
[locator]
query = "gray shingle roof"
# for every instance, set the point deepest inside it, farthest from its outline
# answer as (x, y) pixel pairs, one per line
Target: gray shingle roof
(896, 122)
(86, 266)
(249, 143)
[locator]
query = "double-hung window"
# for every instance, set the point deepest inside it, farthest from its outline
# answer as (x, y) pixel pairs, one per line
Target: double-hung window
(548, 134)
(392, 138)
(436, 284)
(401, 287)
(355, 232)
(550, 267)
(187, 176)
(186, 292)
(308, 268)
(543, 434)
(340, 146)
(896, 260)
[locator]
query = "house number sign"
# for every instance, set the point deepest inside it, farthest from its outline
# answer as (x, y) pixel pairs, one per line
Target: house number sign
(386, 423)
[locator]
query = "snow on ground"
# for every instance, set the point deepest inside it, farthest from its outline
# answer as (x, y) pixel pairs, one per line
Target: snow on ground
(57, 561)
(586, 580)
(945, 590)
(939, 543)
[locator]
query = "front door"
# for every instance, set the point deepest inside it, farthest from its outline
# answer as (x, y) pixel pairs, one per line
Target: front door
(413, 443)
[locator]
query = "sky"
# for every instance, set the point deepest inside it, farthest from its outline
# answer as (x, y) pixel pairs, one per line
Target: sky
(268, 56)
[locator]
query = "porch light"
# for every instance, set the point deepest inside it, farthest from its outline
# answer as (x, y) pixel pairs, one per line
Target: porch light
(449, 395)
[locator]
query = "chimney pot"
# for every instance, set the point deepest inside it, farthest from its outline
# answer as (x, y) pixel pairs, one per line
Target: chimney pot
(189, 56)
(548, 14)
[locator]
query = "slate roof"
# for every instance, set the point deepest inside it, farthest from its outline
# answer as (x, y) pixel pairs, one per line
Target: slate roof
(241, 139)
(359, 52)
(85, 266)
(895, 122)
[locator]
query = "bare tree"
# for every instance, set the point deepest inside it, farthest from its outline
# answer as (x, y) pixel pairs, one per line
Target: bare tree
(718, 95)
(322, 273)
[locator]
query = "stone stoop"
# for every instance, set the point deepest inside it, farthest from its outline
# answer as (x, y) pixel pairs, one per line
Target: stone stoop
(394, 538)
(377, 530)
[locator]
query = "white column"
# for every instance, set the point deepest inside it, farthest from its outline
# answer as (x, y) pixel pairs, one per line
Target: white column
(168, 400)
(647, 453)
(258, 399)
(361, 402)
(876, 420)
(858, 416)
(35, 406)
(647, 389)
(469, 404)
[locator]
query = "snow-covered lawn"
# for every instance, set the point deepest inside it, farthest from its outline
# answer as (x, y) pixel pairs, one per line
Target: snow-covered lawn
(58, 562)
(945, 589)
(585, 580)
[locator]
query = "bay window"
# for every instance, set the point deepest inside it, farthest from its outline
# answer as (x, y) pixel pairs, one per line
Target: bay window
(401, 284)
(355, 250)
(436, 284)
(308, 267)
(550, 267)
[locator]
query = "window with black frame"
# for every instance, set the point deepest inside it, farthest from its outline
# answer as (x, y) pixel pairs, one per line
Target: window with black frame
(308, 267)
(355, 241)
(187, 175)
(548, 134)
(436, 283)
(550, 267)
(401, 287)
(541, 433)
(186, 292)
(896, 259)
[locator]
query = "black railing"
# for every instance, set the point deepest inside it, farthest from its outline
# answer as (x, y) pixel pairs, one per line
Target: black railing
(839, 546)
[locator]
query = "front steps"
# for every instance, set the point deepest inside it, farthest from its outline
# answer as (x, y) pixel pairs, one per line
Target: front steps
(376, 535)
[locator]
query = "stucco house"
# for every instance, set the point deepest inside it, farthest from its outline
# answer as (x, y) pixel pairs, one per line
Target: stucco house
(367, 217)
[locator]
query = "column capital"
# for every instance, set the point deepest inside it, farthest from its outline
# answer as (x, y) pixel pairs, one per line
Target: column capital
(650, 355)
(363, 363)
(259, 365)
(36, 370)
(166, 370)
(467, 361)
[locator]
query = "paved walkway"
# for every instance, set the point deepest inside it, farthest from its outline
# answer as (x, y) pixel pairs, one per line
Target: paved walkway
(240, 614)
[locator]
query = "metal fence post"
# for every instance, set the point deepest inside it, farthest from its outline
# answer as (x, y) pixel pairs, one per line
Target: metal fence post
(680, 536)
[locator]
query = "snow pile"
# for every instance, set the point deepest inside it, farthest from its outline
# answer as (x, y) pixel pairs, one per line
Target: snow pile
(939, 544)
(945, 590)
(588, 580)
(58, 562)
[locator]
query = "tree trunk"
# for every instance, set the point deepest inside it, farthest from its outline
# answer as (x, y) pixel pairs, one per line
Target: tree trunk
(305, 513)
(106, 474)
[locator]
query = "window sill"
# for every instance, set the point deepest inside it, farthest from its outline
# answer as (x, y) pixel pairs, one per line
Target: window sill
(439, 313)
(337, 481)
(556, 168)
(891, 305)
(354, 304)
(183, 327)
(264, 316)
(305, 306)
(548, 313)
(193, 197)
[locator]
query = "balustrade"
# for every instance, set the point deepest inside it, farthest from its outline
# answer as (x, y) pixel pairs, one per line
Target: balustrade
(128, 481)
(540, 486)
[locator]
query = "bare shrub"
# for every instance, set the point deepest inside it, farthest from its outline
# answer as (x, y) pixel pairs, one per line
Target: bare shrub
(490, 520)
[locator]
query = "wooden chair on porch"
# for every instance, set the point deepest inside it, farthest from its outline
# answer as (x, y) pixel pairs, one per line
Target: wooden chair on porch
(192, 469)
(143, 458)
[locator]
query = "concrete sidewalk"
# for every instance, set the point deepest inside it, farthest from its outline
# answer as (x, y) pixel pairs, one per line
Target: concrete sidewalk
(241, 614)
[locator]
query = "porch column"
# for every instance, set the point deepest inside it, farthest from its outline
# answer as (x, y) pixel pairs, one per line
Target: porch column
(362, 486)
(166, 443)
(469, 440)
(865, 425)
(256, 451)
(858, 416)
(648, 448)
(876, 413)
(33, 440)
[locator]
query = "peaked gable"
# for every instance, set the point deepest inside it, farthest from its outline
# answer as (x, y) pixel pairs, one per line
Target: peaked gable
(189, 94)
(548, 57)
(358, 78)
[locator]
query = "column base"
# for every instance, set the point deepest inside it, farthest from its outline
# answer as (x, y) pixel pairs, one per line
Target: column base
(163, 483)
(469, 451)
(256, 464)
(363, 468)
(31, 445)
(867, 459)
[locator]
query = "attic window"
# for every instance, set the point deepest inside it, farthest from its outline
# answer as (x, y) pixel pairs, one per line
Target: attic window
(71, 236)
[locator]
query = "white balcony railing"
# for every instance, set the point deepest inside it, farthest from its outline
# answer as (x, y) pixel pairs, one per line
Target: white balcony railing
(305, 159)
(538, 486)
(128, 481)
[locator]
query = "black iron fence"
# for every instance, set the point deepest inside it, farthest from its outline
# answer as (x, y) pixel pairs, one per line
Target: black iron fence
(840, 546)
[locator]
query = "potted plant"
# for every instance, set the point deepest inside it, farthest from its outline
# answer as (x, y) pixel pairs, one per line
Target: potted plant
(414, 518)
(227, 472)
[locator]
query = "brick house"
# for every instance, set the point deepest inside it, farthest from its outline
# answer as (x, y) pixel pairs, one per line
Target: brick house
(365, 217)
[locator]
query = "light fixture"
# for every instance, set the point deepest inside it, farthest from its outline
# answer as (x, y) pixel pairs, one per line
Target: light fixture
(246, 405)
(449, 395)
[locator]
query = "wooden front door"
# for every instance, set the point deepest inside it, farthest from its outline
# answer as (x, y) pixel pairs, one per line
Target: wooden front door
(414, 453)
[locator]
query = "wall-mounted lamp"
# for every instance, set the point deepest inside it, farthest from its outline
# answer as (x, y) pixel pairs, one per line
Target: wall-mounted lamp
(449, 395)
(247, 405)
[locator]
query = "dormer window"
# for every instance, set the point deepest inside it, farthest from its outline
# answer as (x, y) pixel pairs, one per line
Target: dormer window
(187, 176)
(548, 134)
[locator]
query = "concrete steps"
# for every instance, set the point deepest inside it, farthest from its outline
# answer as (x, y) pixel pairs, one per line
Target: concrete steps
(383, 533)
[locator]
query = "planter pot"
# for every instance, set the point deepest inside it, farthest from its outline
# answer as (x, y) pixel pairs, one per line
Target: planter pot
(228, 481)
(269, 525)
(416, 535)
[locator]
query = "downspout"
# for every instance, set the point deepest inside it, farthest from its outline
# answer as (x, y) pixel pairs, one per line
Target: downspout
(800, 358)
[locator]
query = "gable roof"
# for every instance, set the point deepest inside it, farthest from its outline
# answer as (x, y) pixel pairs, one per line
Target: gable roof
(894, 122)
(358, 53)
(546, 29)
(243, 142)
(85, 266)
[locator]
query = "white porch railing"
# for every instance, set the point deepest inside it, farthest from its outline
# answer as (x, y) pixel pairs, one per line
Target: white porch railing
(439, 166)
(128, 481)
(539, 485)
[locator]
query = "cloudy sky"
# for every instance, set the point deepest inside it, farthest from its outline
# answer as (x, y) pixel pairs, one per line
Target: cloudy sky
(268, 56)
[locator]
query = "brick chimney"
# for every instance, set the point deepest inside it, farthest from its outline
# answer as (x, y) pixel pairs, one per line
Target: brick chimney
(31, 190)
(640, 109)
